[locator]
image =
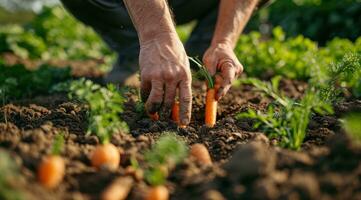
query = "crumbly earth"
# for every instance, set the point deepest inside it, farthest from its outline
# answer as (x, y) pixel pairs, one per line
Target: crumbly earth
(247, 165)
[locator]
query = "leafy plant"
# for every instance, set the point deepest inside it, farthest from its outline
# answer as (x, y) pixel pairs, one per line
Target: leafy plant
(340, 77)
(54, 34)
(8, 171)
(168, 151)
(295, 57)
(105, 105)
(286, 119)
(18, 82)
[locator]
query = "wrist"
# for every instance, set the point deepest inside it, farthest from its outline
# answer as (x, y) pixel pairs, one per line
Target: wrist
(224, 44)
(154, 33)
(160, 36)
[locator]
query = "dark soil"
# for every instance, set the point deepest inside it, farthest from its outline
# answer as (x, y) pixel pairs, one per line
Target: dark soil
(247, 165)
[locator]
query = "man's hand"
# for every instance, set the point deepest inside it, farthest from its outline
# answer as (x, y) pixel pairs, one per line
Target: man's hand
(220, 57)
(164, 67)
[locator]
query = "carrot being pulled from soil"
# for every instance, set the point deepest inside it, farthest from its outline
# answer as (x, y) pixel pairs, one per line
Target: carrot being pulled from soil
(175, 112)
(200, 152)
(52, 168)
(154, 117)
(211, 102)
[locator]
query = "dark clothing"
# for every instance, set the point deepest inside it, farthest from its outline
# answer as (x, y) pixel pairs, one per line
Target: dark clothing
(110, 19)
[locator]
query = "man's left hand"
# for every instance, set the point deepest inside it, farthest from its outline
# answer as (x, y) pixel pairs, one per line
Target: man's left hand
(220, 57)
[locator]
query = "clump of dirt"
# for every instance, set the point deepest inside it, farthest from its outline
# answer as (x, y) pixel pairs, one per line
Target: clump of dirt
(247, 165)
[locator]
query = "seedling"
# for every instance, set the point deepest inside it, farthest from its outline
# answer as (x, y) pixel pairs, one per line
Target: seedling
(167, 152)
(286, 120)
(105, 105)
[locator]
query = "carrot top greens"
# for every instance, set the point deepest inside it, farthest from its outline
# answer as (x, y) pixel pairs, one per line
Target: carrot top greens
(204, 72)
(58, 144)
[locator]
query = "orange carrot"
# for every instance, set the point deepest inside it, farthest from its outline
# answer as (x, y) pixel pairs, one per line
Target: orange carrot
(159, 192)
(51, 171)
(106, 155)
(200, 152)
(118, 189)
(175, 112)
(211, 108)
(211, 103)
(154, 117)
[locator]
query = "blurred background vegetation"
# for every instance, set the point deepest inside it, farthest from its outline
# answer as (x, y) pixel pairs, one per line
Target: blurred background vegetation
(319, 20)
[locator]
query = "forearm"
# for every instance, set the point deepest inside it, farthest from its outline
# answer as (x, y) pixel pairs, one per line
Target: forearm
(150, 18)
(232, 18)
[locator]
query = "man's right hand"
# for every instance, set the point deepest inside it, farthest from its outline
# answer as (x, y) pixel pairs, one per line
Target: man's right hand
(164, 68)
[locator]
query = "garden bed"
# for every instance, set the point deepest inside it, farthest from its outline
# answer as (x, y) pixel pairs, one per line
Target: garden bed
(247, 165)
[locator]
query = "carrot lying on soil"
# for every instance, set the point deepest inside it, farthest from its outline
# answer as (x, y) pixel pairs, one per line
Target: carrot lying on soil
(51, 171)
(106, 155)
(159, 192)
(200, 152)
(118, 189)
(52, 168)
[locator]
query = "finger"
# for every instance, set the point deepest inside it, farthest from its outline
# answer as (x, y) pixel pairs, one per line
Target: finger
(185, 100)
(155, 99)
(228, 74)
(145, 87)
(211, 64)
(169, 98)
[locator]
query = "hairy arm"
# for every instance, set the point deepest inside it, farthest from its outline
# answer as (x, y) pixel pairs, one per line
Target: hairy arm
(164, 65)
(150, 18)
(232, 18)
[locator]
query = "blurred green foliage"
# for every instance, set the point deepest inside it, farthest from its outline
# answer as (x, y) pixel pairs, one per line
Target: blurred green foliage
(18, 82)
(319, 20)
(166, 153)
(53, 34)
(352, 125)
(8, 179)
(290, 57)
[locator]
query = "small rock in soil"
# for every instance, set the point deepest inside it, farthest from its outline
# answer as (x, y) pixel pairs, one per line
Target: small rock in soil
(213, 195)
(265, 189)
(249, 161)
(301, 186)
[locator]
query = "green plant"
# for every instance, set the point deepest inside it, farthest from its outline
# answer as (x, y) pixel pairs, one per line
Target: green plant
(286, 119)
(296, 57)
(18, 82)
(351, 124)
(8, 171)
(54, 34)
(167, 152)
(105, 105)
(320, 20)
(342, 76)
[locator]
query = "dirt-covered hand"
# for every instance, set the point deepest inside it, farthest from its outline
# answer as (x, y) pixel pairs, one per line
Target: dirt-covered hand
(164, 68)
(220, 57)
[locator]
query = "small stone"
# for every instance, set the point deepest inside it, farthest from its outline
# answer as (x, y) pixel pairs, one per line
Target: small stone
(213, 195)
